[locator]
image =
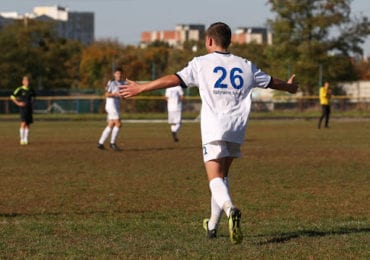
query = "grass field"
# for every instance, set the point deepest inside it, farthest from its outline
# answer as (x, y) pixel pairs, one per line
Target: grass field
(303, 192)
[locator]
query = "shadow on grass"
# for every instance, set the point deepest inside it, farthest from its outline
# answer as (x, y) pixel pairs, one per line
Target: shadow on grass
(14, 215)
(286, 237)
(161, 148)
(71, 213)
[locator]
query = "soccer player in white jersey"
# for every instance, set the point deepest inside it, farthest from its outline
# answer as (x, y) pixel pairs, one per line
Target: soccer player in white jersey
(174, 98)
(225, 83)
(112, 107)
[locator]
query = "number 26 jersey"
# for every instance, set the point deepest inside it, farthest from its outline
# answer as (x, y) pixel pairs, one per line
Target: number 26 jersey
(225, 83)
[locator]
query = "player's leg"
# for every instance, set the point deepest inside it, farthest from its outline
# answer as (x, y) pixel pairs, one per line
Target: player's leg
(174, 119)
(236, 235)
(115, 131)
(26, 133)
(217, 172)
(322, 116)
(219, 195)
(28, 122)
(22, 129)
(174, 129)
(327, 116)
(216, 210)
(105, 134)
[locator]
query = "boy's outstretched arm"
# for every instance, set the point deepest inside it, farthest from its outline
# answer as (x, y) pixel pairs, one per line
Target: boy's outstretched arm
(279, 84)
(133, 88)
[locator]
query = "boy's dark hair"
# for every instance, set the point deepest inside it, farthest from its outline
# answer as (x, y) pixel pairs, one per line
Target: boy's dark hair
(220, 33)
(119, 70)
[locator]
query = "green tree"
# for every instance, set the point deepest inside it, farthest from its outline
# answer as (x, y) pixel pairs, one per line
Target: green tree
(34, 48)
(257, 53)
(156, 58)
(363, 69)
(97, 63)
(308, 34)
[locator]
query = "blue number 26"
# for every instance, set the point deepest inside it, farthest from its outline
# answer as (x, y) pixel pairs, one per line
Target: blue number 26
(235, 78)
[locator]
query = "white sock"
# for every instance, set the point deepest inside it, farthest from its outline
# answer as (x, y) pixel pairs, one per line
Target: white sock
(21, 134)
(105, 135)
(216, 211)
(220, 194)
(26, 132)
(114, 135)
(175, 128)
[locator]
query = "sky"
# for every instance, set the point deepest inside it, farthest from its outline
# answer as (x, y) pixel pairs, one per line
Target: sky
(124, 20)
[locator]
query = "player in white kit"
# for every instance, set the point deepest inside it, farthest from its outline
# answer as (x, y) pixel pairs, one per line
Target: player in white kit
(174, 98)
(225, 83)
(112, 107)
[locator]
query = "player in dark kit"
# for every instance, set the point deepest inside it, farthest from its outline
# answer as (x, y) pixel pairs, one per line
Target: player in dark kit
(24, 97)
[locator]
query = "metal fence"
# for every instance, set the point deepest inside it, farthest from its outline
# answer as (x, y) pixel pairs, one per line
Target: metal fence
(156, 104)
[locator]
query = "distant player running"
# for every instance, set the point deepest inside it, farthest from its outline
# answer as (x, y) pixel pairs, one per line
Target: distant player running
(225, 83)
(112, 107)
(174, 98)
(24, 97)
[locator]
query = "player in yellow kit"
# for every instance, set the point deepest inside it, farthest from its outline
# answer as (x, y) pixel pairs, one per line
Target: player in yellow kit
(325, 96)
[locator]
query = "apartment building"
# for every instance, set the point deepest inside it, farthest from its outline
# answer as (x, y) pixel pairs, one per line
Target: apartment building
(245, 35)
(69, 25)
(196, 32)
(177, 37)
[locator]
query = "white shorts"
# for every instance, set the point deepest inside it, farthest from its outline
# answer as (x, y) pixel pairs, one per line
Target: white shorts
(174, 117)
(113, 114)
(220, 149)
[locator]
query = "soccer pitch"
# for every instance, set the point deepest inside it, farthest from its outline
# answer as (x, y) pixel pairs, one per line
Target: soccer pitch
(303, 192)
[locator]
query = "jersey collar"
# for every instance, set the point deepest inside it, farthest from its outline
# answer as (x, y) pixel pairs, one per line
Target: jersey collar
(221, 52)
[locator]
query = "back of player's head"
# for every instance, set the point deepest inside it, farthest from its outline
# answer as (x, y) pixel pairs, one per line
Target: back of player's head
(220, 33)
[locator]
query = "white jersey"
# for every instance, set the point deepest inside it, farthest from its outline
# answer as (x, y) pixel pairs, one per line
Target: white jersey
(174, 96)
(113, 103)
(225, 83)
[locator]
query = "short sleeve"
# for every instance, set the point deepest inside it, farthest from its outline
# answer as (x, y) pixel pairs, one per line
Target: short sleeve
(109, 86)
(15, 93)
(262, 79)
(188, 74)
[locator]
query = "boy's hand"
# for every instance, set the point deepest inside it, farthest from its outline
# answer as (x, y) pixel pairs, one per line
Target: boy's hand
(291, 79)
(21, 104)
(130, 89)
(294, 86)
(290, 86)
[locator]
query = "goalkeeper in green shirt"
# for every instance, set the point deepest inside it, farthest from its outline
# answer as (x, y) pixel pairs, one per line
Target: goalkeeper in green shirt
(24, 97)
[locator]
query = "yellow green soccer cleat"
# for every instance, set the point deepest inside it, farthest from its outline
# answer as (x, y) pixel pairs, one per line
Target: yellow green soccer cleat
(235, 232)
(209, 233)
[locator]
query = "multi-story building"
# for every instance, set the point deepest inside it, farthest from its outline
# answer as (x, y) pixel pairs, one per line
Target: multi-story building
(245, 35)
(70, 25)
(196, 32)
(177, 37)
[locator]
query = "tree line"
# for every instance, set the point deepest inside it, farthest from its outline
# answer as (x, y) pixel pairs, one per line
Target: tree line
(318, 40)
